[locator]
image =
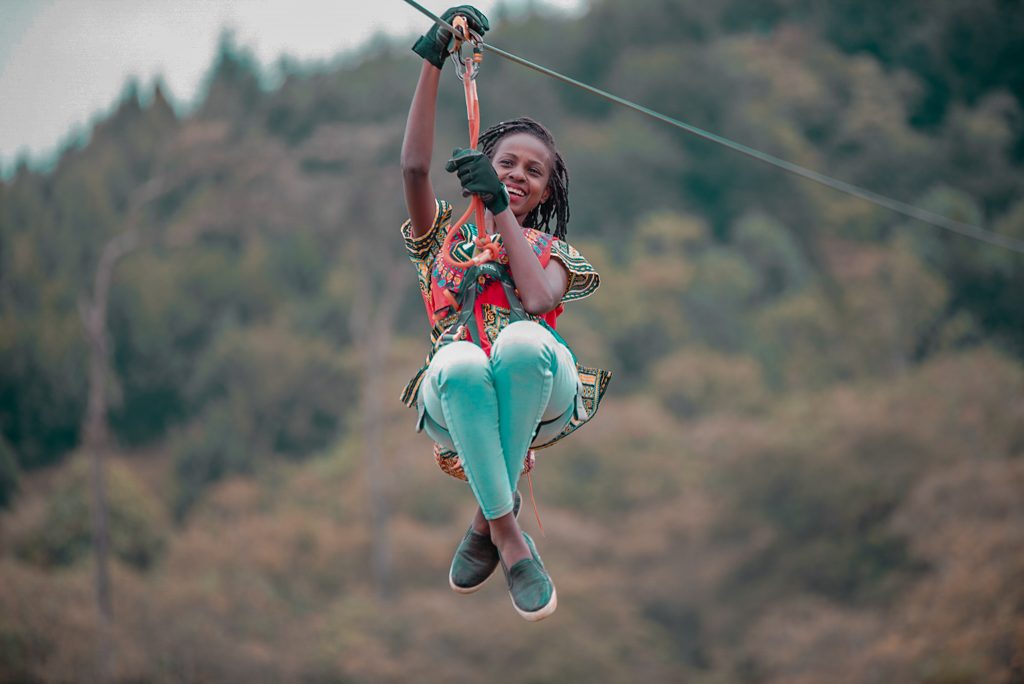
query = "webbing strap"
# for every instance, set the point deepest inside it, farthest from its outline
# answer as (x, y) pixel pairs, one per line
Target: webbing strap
(472, 285)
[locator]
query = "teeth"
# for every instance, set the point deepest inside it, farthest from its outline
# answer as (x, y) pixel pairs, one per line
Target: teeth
(515, 191)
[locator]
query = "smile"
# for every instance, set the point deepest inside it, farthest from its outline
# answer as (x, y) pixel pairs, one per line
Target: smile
(515, 191)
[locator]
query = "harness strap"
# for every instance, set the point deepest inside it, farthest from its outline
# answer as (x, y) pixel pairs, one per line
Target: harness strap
(474, 280)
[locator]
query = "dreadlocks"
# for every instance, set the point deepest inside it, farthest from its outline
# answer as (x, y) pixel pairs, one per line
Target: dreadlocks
(557, 204)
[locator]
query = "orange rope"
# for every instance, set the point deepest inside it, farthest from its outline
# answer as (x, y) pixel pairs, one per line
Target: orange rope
(486, 249)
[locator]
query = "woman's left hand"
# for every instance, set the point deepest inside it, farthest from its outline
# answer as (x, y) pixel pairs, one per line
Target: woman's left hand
(433, 45)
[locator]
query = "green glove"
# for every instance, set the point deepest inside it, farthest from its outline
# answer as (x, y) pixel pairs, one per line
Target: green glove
(433, 45)
(478, 177)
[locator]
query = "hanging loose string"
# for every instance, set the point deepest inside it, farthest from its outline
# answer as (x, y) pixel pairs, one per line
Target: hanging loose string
(529, 478)
(937, 220)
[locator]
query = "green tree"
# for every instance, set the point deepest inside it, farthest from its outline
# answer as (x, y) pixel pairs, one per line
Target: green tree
(63, 536)
(260, 394)
(8, 474)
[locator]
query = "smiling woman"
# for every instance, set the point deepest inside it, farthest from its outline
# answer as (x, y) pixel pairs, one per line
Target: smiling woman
(527, 142)
(499, 381)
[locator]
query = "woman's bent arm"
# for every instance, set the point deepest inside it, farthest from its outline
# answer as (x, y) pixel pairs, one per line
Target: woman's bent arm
(540, 287)
(417, 148)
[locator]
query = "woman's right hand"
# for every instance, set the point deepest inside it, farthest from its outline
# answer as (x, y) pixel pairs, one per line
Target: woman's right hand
(478, 177)
(433, 45)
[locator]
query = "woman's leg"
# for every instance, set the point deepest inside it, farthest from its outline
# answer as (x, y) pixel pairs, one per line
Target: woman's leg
(534, 378)
(535, 381)
(458, 394)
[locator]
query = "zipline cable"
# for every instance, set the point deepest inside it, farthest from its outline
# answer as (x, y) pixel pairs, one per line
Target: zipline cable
(937, 220)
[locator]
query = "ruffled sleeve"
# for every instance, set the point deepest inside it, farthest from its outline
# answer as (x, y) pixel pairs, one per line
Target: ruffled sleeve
(422, 250)
(583, 279)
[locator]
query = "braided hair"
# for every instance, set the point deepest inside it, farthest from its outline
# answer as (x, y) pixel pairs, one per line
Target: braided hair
(557, 204)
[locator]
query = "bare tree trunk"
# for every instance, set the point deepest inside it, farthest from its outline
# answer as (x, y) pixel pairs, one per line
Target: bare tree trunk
(372, 322)
(94, 318)
(94, 430)
(376, 470)
(95, 442)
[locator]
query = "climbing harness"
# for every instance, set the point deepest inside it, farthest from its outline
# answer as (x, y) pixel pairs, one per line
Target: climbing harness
(937, 220)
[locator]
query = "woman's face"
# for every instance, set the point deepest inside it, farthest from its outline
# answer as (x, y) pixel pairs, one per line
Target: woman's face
(523, 163)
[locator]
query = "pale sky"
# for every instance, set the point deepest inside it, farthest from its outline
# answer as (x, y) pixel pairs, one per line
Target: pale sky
(63, 63)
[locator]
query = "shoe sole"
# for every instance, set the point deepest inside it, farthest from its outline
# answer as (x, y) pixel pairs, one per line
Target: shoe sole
(540, 613)
(467, 590)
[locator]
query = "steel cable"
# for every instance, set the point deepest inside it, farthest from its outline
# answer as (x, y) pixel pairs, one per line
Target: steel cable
(909, 210)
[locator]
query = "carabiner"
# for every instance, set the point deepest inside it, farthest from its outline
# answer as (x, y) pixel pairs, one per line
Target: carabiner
(465, 64)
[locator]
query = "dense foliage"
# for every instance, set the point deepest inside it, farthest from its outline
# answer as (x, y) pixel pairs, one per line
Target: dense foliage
(810, 465)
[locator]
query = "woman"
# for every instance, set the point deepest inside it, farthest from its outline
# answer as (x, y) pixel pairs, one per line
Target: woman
(499, 379)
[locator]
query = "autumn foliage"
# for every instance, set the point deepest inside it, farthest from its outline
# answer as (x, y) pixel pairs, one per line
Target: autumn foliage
(808, 469)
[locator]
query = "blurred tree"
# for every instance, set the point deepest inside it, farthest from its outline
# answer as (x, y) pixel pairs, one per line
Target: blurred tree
(620, 171)
(695, 382)
(798, 341)
(828, 512)
(259, 394)
(8, 474)
(978, 141)
(220, 443)
(983, 280)
(656, 270)
(294, 388)
(95, 431)
(232, 87)
(172, 306)
(775, 256)
(298, 263)
(56, 229)
(62, 536)
(723, 288)
(890, 312)
(42, 385)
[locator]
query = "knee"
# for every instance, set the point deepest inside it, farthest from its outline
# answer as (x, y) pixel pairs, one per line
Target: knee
(460, 364)
(524, 342)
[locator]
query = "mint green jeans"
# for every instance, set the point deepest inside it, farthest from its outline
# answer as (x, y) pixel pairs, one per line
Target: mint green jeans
(490, 410)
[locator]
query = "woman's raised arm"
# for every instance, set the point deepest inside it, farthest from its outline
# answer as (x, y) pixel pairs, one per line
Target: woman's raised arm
(417, 148)
(418, 144)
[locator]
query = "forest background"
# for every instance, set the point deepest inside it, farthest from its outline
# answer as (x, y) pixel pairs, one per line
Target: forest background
(810, 464)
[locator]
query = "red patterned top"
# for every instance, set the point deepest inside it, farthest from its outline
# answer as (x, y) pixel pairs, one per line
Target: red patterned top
(492, 308)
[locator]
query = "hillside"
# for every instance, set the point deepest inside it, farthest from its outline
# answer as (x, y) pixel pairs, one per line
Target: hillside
(810, 463)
